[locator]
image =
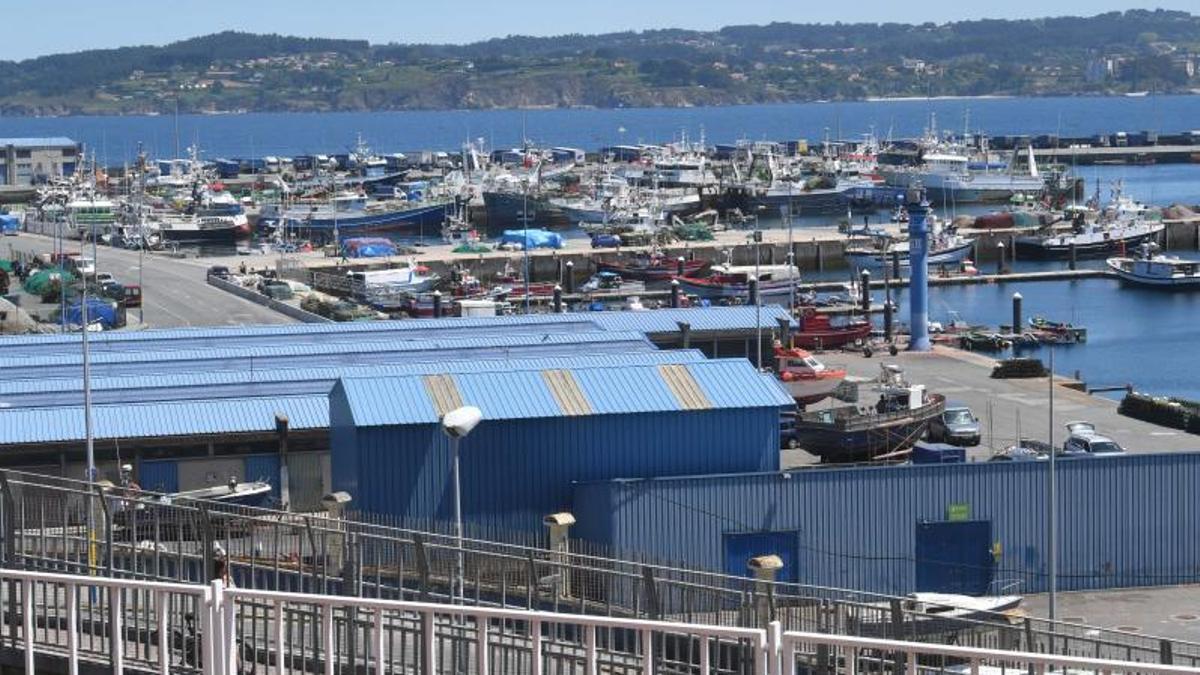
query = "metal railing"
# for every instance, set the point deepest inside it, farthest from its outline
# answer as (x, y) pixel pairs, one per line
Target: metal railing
(231, 631)
(43, 528)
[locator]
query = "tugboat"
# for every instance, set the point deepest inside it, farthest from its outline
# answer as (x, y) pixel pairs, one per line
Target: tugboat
(806, 379)
(886, 431)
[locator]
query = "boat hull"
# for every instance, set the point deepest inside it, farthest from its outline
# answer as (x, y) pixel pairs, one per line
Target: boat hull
(714, 291)
(873, 260)
(659, 272)
(833, 337)
(351, 224)
(1030, 247)
(1134, 279)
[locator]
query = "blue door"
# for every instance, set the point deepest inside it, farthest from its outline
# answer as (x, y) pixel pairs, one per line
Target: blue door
(955, 557)
(740, 547)
(159, 475)
(264, 468)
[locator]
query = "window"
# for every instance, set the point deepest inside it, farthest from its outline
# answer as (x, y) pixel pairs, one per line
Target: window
(68, 152)
(24, 154)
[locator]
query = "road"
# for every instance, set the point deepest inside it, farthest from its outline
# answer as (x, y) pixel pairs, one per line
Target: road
(174, 291)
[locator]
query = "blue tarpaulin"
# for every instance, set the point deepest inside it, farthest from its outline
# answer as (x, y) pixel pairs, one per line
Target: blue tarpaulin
(99, 311)
(532, 238)
(368, 247)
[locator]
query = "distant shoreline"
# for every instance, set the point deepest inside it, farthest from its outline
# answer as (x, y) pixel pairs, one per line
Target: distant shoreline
(870, 99)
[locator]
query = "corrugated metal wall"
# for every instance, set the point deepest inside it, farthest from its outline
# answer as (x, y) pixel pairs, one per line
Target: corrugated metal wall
(266, 468)
(514, 472)
(1125, 521)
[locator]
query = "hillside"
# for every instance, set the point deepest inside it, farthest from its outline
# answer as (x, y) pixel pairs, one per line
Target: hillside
(1109, 53)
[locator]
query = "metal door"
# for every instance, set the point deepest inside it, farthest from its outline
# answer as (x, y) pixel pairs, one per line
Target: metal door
(740, 547)
(159, 475)
(955, 557)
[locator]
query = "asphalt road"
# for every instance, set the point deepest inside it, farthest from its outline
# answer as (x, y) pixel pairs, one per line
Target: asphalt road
(174, 291)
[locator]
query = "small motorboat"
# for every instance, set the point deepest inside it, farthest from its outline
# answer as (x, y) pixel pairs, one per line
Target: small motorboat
(1057, 332)
(818, 332)
(611, 282)
(251, 493)
(806, 379)
(733, 282)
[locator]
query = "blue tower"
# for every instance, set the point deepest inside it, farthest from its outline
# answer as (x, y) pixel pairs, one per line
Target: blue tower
(918, 259)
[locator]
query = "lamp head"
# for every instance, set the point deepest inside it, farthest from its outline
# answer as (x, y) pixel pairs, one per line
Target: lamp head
(459, 422)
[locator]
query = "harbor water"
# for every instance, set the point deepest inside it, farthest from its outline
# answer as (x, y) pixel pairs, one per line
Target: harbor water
(115, 139)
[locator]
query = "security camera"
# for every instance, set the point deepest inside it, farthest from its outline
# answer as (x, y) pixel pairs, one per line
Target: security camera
(459, 422)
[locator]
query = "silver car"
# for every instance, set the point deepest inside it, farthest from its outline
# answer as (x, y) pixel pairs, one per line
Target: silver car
(957, 425)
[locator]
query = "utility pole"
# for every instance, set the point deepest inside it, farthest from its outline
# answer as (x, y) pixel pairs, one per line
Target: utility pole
(1053, 505)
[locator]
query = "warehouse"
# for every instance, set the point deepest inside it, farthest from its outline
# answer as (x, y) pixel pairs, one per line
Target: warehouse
(719, 331)
(959, 528)
(29, 161)
(544, 429)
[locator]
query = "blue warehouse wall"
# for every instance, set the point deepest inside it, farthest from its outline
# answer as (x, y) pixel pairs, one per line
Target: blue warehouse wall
(514, 472)
(1125, 521)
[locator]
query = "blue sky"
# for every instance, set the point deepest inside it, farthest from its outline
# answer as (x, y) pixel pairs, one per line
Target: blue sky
(74, 25)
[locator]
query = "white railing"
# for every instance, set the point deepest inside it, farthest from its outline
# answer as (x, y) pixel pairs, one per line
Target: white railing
(142, 625)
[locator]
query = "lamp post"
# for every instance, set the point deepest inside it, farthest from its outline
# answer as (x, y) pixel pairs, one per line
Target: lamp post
(457, 424)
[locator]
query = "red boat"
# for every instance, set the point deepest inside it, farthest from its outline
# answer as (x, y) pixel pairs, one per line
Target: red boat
(806, 379)
(652, 267)
(817, 332)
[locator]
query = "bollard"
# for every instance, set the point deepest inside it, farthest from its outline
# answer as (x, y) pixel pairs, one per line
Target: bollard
(895, 264)
(1074, 257)
(674, 294)
(437, 304)
(864, 283)
(888, 308)
(558, 300)
(679, 266)
(753, 300)
(1016, 314)
(1000, 258)
(570, 277)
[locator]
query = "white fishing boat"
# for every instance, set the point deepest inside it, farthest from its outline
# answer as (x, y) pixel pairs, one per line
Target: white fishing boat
(1161, 271)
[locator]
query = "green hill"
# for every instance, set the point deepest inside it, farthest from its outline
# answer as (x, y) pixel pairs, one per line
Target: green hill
(1109, 53)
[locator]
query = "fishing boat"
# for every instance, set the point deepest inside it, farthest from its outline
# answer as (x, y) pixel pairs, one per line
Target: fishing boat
(806, 379)
(197, 228)
(652, 267)
(946, 247)
(817, 331)
(611, 282)
(884, 431)
(386, 289)
(350, 213)
(1160, 271)
(728, 282)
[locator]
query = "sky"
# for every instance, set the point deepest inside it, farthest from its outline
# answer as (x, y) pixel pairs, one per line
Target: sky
(76, 25)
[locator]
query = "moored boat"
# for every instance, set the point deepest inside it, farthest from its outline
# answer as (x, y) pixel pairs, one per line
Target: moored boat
(651, 267)
(1158, 271)
(817, 331)
(733, 281)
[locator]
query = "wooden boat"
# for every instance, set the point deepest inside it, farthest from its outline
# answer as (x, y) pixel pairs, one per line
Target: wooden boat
(818, 332)
(1057, 332)
(651, 267)
(806, 379)
(730, 281)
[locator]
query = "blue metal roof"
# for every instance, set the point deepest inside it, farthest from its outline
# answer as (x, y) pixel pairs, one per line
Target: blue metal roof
(33, 142)
(67, 391)
(647, 322)
(526, 394)
(151, 420)
(325, 353)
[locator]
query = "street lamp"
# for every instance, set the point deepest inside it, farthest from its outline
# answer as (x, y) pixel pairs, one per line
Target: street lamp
(457, 424)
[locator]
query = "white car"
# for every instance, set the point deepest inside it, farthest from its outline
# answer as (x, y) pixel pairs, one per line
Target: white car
(1082, 440)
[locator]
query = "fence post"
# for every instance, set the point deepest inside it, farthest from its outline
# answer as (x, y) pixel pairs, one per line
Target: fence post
(116, 629)
(422, 567)
(73, 629)
(428, 643)
(1165, 655)
(27, 627)
(10, 528)
(774, 648)
(650, 591)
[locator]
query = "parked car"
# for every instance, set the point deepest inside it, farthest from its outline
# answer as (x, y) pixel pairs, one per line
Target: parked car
(102, 277)
(219, 271)
(957, 425)
(787, 433)
(133, 295)
(85, 267)
(1082, 440)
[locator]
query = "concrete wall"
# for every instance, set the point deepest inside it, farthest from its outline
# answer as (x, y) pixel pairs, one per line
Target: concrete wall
(260, 299)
